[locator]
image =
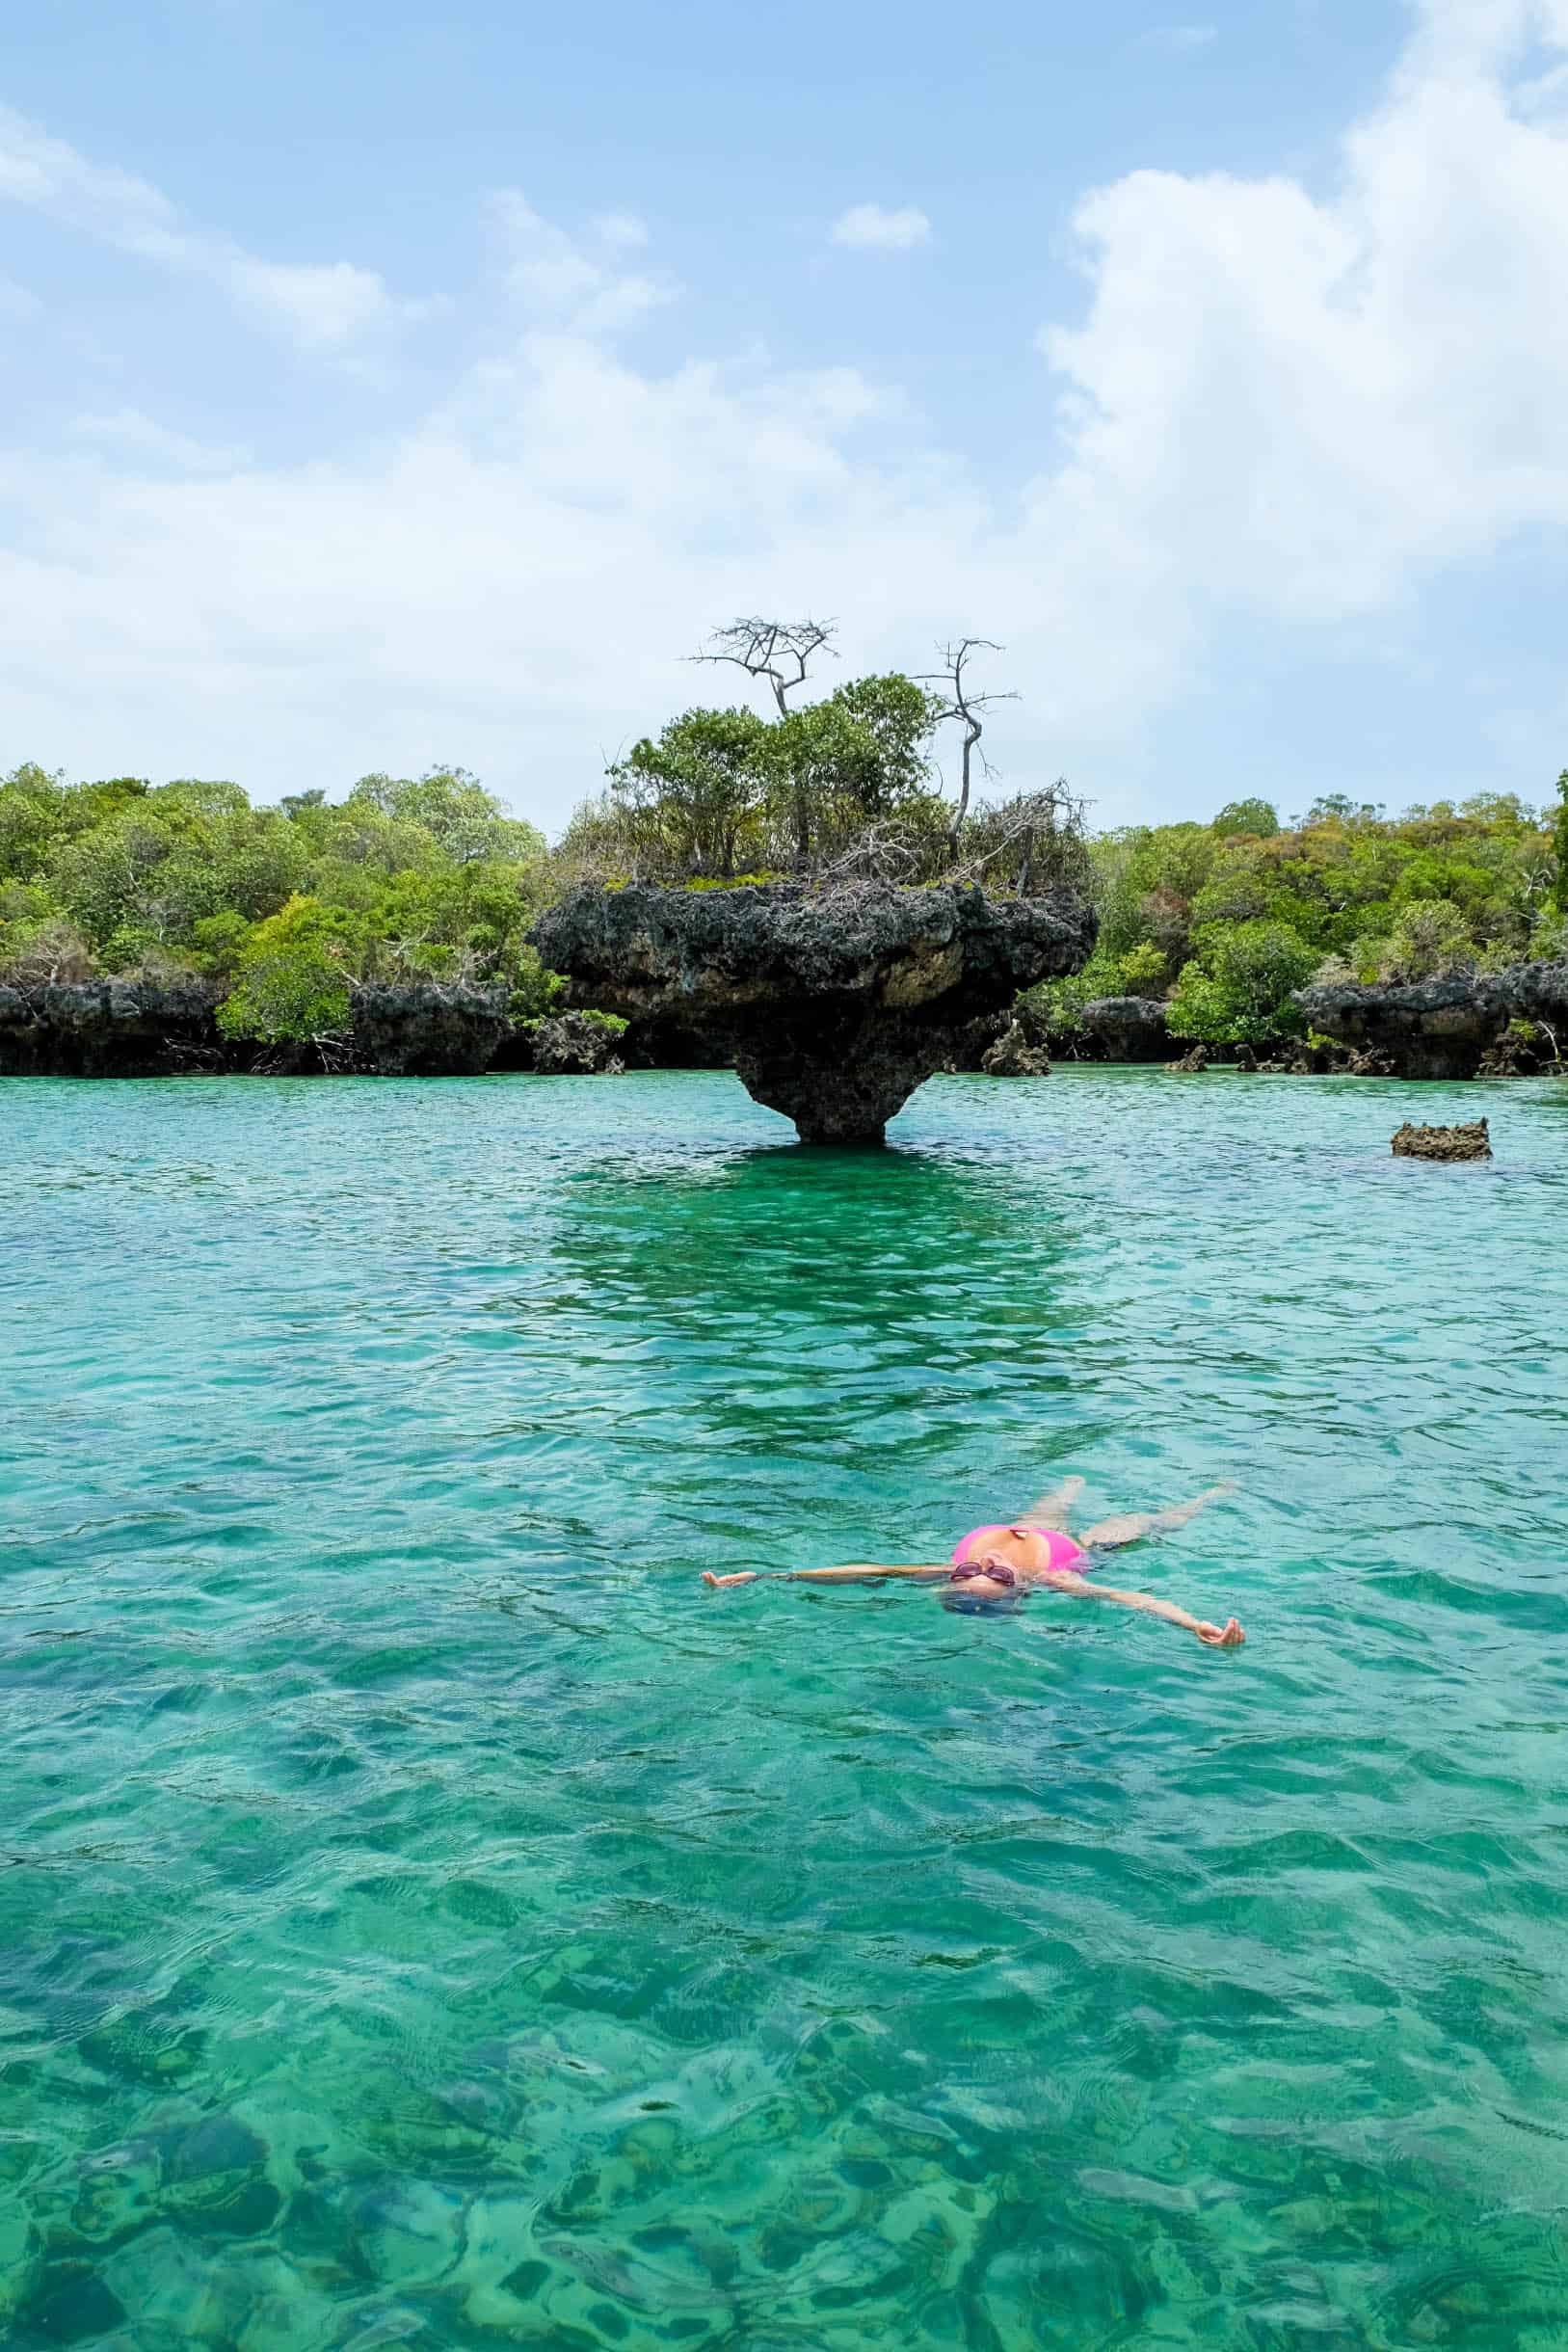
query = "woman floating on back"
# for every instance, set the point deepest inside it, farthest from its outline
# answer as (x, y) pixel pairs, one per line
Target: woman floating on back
(994, 1568)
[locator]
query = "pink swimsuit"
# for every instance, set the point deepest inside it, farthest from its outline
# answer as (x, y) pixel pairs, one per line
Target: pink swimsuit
(1064, 1552)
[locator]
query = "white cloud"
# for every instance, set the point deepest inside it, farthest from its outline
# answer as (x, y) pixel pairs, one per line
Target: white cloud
(321, 306)
(1313, 405)
(872, 229)
(558, 283)
(1280, 407)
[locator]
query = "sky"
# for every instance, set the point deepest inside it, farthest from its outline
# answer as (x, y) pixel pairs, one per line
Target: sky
(384, 386)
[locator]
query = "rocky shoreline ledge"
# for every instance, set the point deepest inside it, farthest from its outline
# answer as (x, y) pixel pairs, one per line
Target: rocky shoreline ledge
(162, 1028)
(1510, 1024)
(1504, 1024)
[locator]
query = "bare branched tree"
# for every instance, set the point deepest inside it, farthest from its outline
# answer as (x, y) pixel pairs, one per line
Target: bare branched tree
(962, 705)
(882, 851)
(779, 651)
(1035, 839)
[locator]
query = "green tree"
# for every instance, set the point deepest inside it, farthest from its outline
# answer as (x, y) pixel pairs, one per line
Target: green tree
(858, 758)
(163, 860)
(691, 797)
(1141, 972)
(466, 822)
(1430, 940)
(1239, 993)
(1259, 818)
(291, 975)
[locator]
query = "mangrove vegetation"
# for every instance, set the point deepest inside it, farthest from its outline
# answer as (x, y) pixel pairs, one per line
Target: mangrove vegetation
(283, 910)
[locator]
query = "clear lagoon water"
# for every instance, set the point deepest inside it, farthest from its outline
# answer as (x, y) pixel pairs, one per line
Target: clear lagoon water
(428, 1918)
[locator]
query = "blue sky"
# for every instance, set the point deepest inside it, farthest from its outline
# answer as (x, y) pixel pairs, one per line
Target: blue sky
(385, 386)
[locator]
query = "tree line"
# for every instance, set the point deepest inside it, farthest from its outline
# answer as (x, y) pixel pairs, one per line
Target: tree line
(428, 879)
(1225, 921)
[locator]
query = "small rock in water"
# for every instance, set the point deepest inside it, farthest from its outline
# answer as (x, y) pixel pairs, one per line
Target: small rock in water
(1470, 1143)
(1195, 1058)
(1014, 1055)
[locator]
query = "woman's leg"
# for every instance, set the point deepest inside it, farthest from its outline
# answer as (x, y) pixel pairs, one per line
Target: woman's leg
(1129, 1526)
(1053, 1509)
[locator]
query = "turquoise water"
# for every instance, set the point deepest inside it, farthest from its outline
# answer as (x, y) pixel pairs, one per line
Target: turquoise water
(427, 1918)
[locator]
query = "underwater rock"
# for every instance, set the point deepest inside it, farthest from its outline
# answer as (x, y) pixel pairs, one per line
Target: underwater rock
(210, 2169)
(21, 2258)
(1447, 1028)
(408, 2232)
(73, 2304)
(835, 1004)
(1469, 1142)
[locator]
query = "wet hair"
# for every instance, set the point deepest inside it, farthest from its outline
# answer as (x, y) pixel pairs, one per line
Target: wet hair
(957, 1597)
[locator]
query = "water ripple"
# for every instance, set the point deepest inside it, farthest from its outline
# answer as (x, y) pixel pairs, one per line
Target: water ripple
(426, 1918)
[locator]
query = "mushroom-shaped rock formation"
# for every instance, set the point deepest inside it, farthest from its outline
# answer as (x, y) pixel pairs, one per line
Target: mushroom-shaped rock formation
(834, 1004)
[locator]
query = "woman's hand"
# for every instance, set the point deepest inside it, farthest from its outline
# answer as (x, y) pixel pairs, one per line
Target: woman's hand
(1228, 1635)
(742, 1576)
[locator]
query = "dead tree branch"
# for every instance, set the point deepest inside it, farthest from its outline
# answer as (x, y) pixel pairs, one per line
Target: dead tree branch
(963, 707)
(779, 651)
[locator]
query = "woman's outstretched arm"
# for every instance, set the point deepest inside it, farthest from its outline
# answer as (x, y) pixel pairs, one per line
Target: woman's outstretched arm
(1228, 1635)
(858, 1573)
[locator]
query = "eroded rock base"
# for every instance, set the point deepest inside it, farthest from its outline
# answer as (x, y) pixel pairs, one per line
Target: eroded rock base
(843, 1084)
(155, 1029)
(1507, 1023)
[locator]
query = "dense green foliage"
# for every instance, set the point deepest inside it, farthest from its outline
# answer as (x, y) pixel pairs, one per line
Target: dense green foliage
(847, 785)
(407, 878)
(1226, 920)
(428, 878)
